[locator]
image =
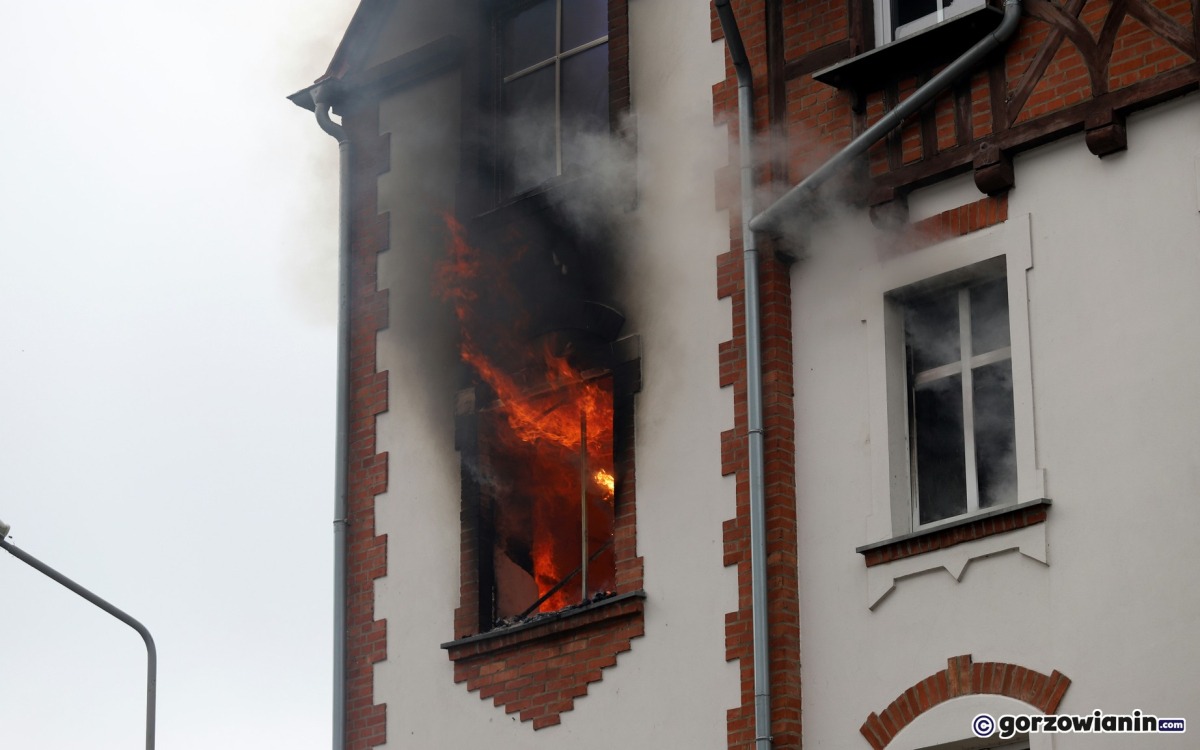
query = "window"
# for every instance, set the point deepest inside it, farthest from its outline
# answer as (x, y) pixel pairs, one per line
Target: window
(960, 399)
(897, 19)
(544, 431)
(951, 382)
(548, 495)
(553, 58)
(954, 474)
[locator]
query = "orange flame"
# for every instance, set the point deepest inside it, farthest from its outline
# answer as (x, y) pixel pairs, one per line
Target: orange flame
(546, 430)
(607, 481)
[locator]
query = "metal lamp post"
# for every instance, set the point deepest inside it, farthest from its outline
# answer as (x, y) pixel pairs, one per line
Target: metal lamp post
(151, 654)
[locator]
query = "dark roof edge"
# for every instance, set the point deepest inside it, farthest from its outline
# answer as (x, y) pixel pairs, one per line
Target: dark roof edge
(356, 43)
(410, 67)
(359, 38)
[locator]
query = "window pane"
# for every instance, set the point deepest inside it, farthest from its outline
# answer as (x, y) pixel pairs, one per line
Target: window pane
(989, 316)
(931, 329)
(583, 21)
(532, 500)
(995, 434)
(904, 11)
(941, 463)
(529, 139)
(584, 102)
(528, 37)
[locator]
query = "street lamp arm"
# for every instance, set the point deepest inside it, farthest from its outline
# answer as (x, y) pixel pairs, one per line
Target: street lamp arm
(151, 652)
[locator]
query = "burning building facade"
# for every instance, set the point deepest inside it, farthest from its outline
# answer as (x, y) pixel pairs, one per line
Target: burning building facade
(978, 401)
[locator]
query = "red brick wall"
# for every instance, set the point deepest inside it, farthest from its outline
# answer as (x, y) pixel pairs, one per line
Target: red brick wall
(540, 676)
(1070, 66)
(366, 637)
(538, 673)
(779, 438)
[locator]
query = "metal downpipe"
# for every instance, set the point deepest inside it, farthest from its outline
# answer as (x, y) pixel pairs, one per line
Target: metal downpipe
(754, 400)
(771, 219)
(322, 100)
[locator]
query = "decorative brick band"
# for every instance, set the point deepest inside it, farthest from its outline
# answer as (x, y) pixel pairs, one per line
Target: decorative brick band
(952, 223)
(969, 529)
(539, 671)
(366, 637)
(956, 222)
(962, 677)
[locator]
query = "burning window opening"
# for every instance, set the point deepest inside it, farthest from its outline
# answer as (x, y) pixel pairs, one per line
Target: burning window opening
(540, 473)
(546, 499)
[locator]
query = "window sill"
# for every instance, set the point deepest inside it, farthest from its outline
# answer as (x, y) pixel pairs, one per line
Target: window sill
(955, 545)
(557, 623)
(956, 531)
(927, 49)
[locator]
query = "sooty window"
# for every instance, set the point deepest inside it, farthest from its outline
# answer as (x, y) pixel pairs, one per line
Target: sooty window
(546, 462)
(961, 428)
(553, 66)
(544, 424)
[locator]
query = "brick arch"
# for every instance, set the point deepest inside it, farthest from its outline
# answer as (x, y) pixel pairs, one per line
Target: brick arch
(963, 677)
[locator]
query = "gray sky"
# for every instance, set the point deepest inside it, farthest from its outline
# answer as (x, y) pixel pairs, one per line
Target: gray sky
(167, 241)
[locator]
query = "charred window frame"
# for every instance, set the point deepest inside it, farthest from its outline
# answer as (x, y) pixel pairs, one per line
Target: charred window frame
(491, 596)
(961, 420)
(552, 92)
(487, 181)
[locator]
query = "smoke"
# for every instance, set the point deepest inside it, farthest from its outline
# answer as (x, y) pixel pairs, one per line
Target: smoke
(599, 175)
(935, 326)
(299, 55)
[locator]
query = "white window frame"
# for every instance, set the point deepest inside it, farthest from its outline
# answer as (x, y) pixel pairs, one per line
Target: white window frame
(964, 366)
(884, 32)
(892, 502)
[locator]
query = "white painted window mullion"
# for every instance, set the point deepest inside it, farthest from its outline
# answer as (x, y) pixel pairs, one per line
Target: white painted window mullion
(968, 399)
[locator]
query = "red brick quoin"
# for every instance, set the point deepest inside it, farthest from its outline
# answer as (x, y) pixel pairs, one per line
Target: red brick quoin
(783, 608)
(366, 637)
(962, 677)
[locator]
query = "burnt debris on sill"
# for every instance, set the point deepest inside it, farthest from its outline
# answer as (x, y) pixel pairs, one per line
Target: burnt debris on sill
(599, 601)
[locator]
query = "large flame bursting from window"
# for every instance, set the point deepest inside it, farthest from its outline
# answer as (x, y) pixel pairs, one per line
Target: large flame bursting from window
(546, 445)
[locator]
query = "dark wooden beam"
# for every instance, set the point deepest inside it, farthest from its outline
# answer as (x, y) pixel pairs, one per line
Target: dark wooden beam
(1104, 132)
(929, 144)
(964, 123)
(891, 99)
(822, 57)
(776, 89)
(1044, 129)
(1041, 60)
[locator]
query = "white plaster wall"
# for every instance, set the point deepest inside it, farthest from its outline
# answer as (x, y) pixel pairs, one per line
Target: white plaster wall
(1115, 349)
(674, 688)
